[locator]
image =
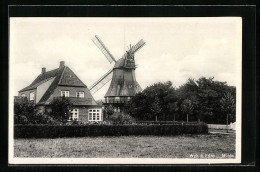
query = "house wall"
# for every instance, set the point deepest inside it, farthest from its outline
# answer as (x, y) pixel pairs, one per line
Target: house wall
(72, 90)
(41, 89)
(27, 94)
(83, 112)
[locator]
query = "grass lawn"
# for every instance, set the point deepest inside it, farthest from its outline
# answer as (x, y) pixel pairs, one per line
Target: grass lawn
(182, 146)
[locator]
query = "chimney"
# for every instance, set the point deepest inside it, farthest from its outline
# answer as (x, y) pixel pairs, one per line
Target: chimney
(43, 70)
(62, 64)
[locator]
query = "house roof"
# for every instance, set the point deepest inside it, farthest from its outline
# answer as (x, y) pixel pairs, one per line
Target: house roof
(79, 101)
(63, 76)
(42, 78)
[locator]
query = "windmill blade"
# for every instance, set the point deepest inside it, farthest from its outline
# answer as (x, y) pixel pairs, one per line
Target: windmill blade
(135, 48)
(101, 82)
(97, 41)
(138, 46)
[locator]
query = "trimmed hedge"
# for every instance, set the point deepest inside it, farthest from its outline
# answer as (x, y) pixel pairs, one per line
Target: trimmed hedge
(55, 131)
(165, 122)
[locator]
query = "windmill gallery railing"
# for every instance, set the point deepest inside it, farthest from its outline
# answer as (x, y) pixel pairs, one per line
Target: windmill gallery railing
(116, 100)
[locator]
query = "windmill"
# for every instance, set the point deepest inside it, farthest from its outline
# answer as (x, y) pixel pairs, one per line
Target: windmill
(123, 85)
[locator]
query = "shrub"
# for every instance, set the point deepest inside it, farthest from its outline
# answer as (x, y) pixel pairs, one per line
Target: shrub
(54, 131)
(119, 118)
(41, 118)
(164, 122)
(60, 109)
(108, 111)
(22, 111)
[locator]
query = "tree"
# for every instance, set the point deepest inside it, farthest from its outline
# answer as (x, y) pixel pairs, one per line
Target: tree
(228, 106)
(207, 94)
(61, 109)
(173, 108)
(153, 102)
(23, 111)
(156, 108)
(108, 111)
(187, 107)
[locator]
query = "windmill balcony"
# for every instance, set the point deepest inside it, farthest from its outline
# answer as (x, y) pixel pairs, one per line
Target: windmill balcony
(121, 100)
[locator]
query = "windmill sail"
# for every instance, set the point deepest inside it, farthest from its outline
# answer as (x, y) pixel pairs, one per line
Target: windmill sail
(103, 49)
(101, 82)
(136, 47)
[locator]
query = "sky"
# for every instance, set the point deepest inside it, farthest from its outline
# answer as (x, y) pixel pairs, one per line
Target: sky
(176, 48)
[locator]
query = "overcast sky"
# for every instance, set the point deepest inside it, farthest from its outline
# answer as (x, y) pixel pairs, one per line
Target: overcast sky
(176, 48)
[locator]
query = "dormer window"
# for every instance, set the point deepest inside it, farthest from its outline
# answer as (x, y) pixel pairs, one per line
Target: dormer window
(31, 96)
(23, 94)
(80, 94)
(65, 93)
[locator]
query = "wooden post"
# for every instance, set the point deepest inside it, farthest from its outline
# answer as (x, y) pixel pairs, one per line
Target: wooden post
(187, 117)
(156, 118)
(173, 117)
(227, 123)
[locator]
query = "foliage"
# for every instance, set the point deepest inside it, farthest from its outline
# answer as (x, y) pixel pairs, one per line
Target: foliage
(108, 111)
(200, 99)
(55, 131)
(26, 113)
(153, 102)
(41, 118)
(187, 107)
(228, 106)
(60, 109)
(23, 111)
(119, 118)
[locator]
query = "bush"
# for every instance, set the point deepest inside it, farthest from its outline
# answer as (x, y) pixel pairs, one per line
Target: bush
(119, 118)
(41, 118)
(54, 131)
(22, 112)
(60, 109)
(25, 112)
(164, 122)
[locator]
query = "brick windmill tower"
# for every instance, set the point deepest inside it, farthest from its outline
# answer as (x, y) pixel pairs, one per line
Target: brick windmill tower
(123, 85)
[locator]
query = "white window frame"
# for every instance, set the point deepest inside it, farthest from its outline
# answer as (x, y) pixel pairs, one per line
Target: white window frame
(31, 96)
(95, 115)
(65, 93)
(80, 94)
(74, 114)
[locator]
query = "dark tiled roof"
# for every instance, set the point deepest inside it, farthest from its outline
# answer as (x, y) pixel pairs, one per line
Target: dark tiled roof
(52, 87)
(70, 79)
(78, 101)
(62, 77)
(42, 78)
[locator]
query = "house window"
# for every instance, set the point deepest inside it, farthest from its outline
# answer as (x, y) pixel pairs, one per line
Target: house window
(23, 95)
(31, 96)
(65, 93)
(75, 114)
(80, 94)
(95, 115)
